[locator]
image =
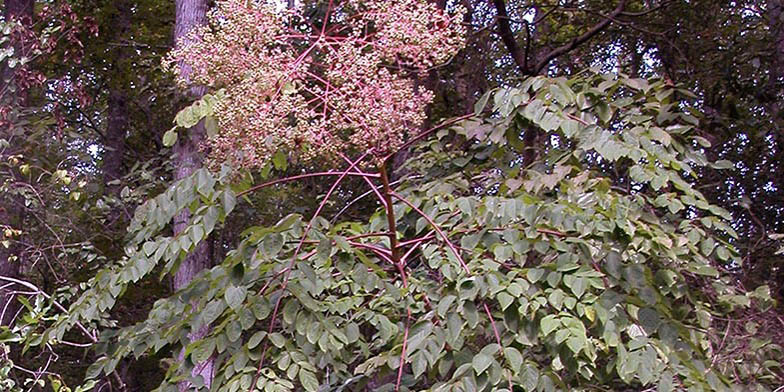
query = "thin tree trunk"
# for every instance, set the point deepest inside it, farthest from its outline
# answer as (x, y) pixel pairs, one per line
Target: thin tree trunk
(776, 24)
(118, 121)
(190, 14)
(18, 9)
(11, 208)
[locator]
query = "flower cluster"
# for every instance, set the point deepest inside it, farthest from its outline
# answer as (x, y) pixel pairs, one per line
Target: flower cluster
(317, 87)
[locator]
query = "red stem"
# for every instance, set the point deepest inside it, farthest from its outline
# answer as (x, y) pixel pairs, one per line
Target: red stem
(403, 352)
(294, 259)
(438, 230)
(367, 180)
(497, 338)
(301, 176)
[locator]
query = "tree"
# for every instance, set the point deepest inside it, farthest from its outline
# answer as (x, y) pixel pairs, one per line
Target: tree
(189, 16)
(544, 236)
(479, 271)
(118, 118)
(18, 16)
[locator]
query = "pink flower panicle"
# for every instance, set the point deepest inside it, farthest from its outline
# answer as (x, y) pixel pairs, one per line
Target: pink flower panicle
(313, 88)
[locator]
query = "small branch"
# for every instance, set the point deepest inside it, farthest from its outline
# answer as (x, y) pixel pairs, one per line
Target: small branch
(552, 232)
(373, 186)
(575, 42)
(390, 212)
(646, 12)
(507, 36)
(357, 199)
(417, 240)
(438, 230)
(403, 352)
(287, 275)
(424, 134)
(301, 176)
(497, 336)
(56, 304)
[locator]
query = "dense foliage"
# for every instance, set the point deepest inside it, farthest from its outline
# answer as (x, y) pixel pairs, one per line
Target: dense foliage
(395, 196)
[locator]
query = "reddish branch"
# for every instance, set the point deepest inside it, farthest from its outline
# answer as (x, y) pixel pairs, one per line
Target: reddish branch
(429, 132)
(372, 186)
(285, 282)
(497, 338)
(301, 176)
(438, 230)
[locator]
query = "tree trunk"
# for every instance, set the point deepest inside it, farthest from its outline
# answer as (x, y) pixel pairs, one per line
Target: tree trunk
(18, 9)
(118, 121)
(190, 14)
(776, 24)
(11, 208)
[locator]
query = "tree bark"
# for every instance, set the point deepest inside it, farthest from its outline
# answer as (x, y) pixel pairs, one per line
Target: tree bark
(11, 208)
(18, 9)
(191, 14)
(118, 121)
(532, 64)
(776, 26)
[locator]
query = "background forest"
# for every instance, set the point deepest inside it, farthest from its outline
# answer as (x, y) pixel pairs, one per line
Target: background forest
(370, 195)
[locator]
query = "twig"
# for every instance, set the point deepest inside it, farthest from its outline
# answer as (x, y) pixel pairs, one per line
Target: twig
(438, 230)
(301, 176)
(56, 304)
(287, 275)
(497, 338)
(424, 134)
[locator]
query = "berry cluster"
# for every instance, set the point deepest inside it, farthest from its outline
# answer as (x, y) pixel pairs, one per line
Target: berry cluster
(316, 86)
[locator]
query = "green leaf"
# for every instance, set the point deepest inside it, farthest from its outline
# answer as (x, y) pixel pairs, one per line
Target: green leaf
(211, 126)
(149, 248)
(256, 339)
(549, 324)
(417, 335)
(514, 357)
(604, 111)
(480, 105)
(578, 286)
(272, 244)
(229, 201)
(203, 350)
(196, 233)
(169, 138)
(481, 362)
(277, 339)
(534, 274)
(308, 380)
(530, 378)
(665, 382)
(723, 165)
(504, 299)
(444, 305)
(235, 296)
(280, 160)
